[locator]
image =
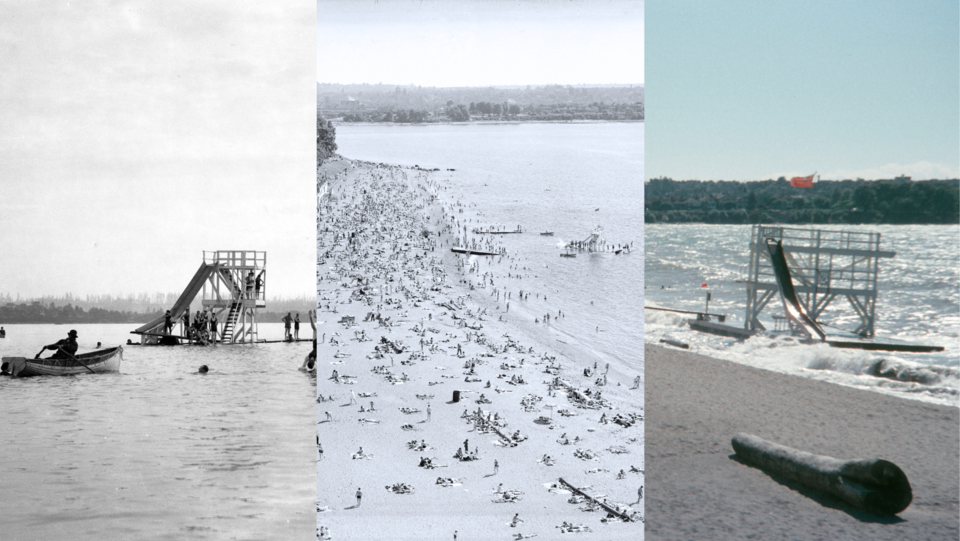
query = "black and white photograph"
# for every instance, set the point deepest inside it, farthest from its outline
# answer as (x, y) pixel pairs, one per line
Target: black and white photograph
(156, 227)
(479, 270)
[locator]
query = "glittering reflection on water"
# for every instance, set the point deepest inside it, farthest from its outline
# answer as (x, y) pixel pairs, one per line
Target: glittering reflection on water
(918, 301)
(158, 451)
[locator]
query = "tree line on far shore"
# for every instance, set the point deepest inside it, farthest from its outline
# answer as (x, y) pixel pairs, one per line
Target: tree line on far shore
(502, 112)
(38, 313)
(326, 140)
(414, 104)
(886, 201)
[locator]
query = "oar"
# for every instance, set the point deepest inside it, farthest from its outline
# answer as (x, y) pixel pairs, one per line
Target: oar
(76, 359)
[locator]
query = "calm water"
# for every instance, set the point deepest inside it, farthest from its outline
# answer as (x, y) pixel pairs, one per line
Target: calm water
(565, 178)
(156, 451)
(919, 301)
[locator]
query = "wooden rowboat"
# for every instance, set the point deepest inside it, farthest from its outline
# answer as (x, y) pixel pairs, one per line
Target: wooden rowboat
(104, 360)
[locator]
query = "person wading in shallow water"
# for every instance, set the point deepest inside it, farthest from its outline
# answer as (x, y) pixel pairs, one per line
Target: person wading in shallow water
(64, 349)
(359, 495)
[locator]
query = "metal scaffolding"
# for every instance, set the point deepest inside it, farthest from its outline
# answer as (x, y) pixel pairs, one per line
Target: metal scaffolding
(824, 265)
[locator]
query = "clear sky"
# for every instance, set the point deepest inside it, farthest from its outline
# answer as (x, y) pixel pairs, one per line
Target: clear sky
(480, 42)
(135, 135)
(744, 90)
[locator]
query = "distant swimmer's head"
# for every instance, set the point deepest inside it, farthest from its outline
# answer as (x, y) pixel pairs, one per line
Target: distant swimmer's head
(203, 369)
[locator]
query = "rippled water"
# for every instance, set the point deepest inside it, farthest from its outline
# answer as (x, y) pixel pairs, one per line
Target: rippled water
(565, 178)
(157, 451)
(919, 301)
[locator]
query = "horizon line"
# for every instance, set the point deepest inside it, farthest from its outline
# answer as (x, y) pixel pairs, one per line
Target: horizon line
(491, 85)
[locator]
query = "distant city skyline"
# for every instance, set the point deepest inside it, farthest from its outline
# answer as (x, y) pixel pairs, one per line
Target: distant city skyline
(472, 43)
(746, 90)
(137, 136)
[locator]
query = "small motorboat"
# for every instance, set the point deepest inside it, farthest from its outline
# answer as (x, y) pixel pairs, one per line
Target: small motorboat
(547, 233)
(96, 362)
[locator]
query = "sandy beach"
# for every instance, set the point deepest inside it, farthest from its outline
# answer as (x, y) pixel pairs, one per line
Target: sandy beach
(696, 490)
(419, 362)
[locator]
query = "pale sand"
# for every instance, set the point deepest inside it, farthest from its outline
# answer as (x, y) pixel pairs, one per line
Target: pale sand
(695, 490)
(433, 511)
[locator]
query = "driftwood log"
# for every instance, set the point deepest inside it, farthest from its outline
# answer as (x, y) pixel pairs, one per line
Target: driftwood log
(626, 517)
(872, 485)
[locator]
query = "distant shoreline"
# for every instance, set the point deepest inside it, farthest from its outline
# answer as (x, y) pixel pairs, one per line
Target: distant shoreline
(575, 121)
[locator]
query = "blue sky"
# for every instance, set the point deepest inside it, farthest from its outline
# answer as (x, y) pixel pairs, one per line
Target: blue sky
(745, 90)
(480, 42)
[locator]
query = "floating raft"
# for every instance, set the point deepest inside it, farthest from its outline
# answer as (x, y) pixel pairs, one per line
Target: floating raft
(489, 232)
(884, 344)
(700, 315)
(843, 341)
(721, 330)
(472, 252)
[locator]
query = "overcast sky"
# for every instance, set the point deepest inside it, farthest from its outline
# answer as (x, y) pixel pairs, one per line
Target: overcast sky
(135, 135)
(750, 89)
(480, 42)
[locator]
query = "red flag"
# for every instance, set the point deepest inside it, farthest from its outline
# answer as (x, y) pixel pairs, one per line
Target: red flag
(802, 182)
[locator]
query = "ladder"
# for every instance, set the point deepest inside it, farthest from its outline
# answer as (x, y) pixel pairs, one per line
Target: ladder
(231, 322)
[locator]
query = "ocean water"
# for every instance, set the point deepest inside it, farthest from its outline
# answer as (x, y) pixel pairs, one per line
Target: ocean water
(566, 178)
(157, 451)
(918, 301)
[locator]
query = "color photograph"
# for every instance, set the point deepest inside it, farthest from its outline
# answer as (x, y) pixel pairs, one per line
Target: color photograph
(802, 263)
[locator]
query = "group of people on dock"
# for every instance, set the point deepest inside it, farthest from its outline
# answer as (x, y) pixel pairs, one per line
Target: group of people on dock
(204, 328)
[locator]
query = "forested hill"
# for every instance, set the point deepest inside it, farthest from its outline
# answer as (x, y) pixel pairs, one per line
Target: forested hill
(391, 103)
(326, 139)
(890, 201)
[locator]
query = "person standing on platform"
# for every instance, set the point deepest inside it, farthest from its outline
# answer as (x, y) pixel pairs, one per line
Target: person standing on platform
(213, 327)
(259, 285)
(249, 283)
(167, 322)
(296, 327)
(286, 326)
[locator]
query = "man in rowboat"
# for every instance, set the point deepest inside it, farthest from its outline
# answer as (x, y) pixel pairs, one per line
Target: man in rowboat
(65, 348)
